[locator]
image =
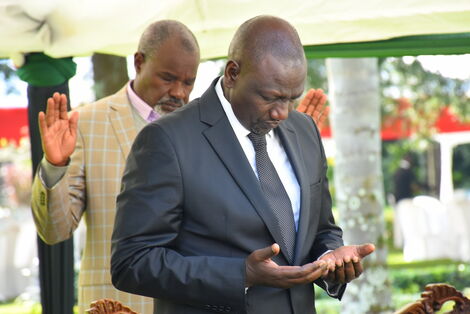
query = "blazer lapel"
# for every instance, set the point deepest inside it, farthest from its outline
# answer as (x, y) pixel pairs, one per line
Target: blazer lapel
(291, 145)
(122, 121)
(224, 142)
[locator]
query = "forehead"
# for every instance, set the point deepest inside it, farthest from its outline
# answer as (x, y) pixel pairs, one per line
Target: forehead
(171, 56)
(283, 75)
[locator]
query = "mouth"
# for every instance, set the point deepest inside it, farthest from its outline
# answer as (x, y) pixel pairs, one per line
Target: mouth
(273, 123)
(169, 106)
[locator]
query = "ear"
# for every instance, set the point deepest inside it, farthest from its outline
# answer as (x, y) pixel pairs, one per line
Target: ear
(139, 59)
(231, 73)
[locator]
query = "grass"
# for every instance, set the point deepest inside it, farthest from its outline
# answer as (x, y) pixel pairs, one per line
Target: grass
(20, 308)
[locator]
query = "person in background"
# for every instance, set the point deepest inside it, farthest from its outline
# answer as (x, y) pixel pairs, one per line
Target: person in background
(84, 157)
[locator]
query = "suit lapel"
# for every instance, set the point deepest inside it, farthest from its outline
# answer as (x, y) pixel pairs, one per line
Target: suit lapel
(225, 143)
(291, 145)
(122, 121)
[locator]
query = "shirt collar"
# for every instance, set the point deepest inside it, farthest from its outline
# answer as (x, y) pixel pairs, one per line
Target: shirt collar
(143, 109)
(237, 127)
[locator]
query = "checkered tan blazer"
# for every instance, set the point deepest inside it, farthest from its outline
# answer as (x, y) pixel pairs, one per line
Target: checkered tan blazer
(106, 130)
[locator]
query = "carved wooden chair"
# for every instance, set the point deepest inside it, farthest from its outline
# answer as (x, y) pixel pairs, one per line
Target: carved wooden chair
(432, 299)
(108, 306)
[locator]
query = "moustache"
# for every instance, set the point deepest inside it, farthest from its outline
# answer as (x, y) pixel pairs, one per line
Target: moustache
(171, 101)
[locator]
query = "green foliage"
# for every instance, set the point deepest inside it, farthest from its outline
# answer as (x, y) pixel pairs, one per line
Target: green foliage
(316, 74)
(413, 280)
(428, 92)
(461, 167)
(394, 151)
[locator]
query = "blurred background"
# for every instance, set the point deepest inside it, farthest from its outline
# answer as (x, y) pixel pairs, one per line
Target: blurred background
(396, 130)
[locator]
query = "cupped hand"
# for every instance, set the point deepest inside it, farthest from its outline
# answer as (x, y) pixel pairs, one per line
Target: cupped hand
(345, 262)
(262, 270)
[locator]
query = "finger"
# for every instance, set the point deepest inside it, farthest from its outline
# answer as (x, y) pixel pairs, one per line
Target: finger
(50, 111)
(312, 105)
(323, 100)
(303, 274)
(331, 276)
(329, 268)
(331, 265)
(42, 123)
(294, 272)
(318, 104)
(349, 271)
(63, 107)
(56, 106)
(305, 102)
(365, 249)
(308, 97)
(267, 252)
(339, 272)
(73, 123)
(358, 270)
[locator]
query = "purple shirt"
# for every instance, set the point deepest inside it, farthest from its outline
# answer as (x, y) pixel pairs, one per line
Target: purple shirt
(144, 110)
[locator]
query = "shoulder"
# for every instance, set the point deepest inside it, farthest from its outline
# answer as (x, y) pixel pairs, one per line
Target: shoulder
(185, 117)
(101, 107)
(301, 121)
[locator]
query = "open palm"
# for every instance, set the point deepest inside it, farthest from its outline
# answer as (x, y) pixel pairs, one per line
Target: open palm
(58, 131)
(313, 104)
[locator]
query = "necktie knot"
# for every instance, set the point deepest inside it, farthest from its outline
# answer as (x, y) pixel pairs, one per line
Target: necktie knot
(259, 141)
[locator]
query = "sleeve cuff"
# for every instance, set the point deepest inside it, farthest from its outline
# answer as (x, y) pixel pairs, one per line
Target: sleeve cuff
(50, 174)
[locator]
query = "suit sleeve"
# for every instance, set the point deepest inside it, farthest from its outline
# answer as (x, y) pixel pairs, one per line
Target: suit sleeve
(57, 210)
(329, 235)
(150, 212)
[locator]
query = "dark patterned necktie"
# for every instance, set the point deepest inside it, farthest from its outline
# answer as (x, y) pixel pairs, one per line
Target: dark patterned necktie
(275, 193)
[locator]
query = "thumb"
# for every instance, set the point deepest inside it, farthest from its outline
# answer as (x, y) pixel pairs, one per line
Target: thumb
(268, 252)
(365, 249)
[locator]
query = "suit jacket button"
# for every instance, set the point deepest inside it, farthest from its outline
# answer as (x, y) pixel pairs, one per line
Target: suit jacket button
(42, 198)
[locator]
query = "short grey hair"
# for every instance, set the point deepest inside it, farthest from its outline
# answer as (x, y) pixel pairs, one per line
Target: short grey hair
(158, 32)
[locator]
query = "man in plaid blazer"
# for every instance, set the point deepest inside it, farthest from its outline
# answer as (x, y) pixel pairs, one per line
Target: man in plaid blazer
(85, 158)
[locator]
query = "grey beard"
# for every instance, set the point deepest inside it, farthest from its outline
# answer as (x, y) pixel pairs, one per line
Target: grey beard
(158, 109)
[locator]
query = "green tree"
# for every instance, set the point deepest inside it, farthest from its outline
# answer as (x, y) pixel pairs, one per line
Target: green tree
(355, 118)
(109, 74)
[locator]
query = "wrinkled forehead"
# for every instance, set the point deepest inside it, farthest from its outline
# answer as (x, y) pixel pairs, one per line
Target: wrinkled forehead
(284, 77)
(280, 68)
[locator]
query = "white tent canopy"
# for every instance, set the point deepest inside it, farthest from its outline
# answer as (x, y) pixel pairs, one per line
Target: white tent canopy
(72, 28)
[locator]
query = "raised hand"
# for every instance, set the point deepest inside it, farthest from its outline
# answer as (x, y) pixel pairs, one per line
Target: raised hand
(58, 131)
(347, 262)
(313, 104)
(262, 270)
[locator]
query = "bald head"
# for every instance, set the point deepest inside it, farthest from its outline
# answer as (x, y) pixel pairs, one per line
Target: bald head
(157, 33)
(265, 73)
(266, 35)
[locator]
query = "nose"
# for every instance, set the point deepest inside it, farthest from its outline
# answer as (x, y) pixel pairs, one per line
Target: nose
(281, 110)
(178, 91)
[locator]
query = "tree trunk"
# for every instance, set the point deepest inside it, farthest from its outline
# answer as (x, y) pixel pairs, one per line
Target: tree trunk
(109, 73)
(355, 118)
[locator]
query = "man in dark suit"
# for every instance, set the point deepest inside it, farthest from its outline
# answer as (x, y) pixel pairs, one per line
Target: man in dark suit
(200, 221)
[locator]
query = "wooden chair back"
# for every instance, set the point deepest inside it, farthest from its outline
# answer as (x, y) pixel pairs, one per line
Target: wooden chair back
(432, 299)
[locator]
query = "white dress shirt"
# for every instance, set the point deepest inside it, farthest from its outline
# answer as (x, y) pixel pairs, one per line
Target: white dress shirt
(276, 153)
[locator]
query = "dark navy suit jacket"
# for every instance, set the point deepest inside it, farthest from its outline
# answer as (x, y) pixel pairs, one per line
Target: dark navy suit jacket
(191, 210)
